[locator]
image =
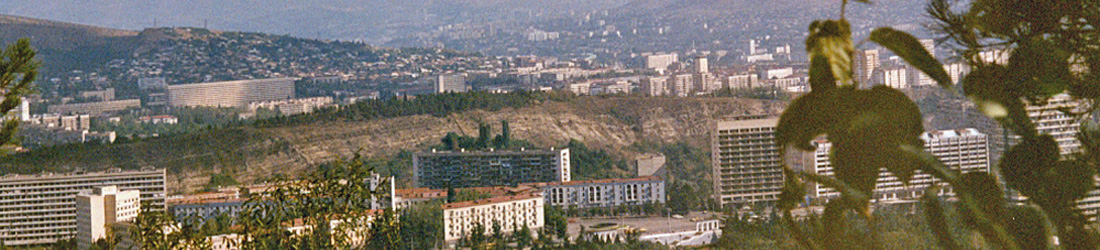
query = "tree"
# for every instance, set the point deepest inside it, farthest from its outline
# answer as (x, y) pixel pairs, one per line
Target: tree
(331, 192)
(385, 232)
(422, 225)
(555, 221)
(484, 133)
(503, 141)
(18, 69)
(522, 235)
(151, 229)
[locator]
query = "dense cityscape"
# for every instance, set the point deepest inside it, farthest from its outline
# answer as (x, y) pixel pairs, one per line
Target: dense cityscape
(609, 125)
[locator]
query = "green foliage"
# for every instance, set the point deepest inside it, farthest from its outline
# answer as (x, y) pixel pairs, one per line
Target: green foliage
(453, 141)
(765, 93)
(438, 105)
(18, 70)
(157, 230)
(1052, 50)
(682, 198)
(331, 192)
(421, 226)
(592, 164)
(221, 180)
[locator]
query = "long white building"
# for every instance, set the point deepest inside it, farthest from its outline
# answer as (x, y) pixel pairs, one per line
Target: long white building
(604, 193)
(745, 161)
(966, 150)
(41, 209)
(230, 93)
(507, 211)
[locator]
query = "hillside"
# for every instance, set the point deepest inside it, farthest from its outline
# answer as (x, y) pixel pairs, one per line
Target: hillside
(249, 154)
(64, 46)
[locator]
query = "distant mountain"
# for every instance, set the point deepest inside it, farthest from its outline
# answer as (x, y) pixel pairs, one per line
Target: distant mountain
(373, 21)
(63, 45)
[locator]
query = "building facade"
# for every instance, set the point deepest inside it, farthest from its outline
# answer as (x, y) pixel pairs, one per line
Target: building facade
(654, 86)
(453, 83)
(442, 169)
(102, 208)
(230, 93)
(746, 163)
(41, 209)
(604, 193)
(965, 150)
(660, 62)
(507, 211)
(94, 108)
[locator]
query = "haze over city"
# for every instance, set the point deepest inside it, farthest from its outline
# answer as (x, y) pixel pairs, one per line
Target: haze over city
(570, 124)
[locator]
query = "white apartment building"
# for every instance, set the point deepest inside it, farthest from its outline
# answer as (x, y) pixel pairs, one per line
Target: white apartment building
(454, 83)
(741, 81)
(681, 85)
(654, 86)
(604, 193)
(507, 211)
(866, 61)
(895, 77)
(101, 208)
(966, 150)
(745, 161)
(660, 61)
(230, 93)
(41, 209)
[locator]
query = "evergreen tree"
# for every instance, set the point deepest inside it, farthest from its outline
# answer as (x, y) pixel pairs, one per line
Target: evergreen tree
(19, 69)
(484, 133)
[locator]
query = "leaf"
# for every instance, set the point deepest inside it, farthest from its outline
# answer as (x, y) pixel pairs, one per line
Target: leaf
(794, 190)
(1039, 69)
(985, 194)
(937, 221)
(832, 39)
(806, 118)
(875, 124)
(822, 79)
(909, 49)
(857, 199)
(1024, 164)
(1028, 226)
(1069, 180)
(835, 225)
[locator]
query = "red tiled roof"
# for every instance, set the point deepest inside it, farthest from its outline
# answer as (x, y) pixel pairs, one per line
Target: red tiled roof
(491, 200)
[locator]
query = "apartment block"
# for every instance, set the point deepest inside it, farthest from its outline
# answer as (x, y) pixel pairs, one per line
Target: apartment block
(660, 61)
(654, 86)
(507, 211)
(966, 150)
(230, 93)
(604, 193)
(103, 207)
(746, 164)
(95, 108)
(42, 209)
(442, 169)
(453, 83)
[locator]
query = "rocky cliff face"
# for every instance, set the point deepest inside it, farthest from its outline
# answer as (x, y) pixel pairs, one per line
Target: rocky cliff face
(612, 124)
